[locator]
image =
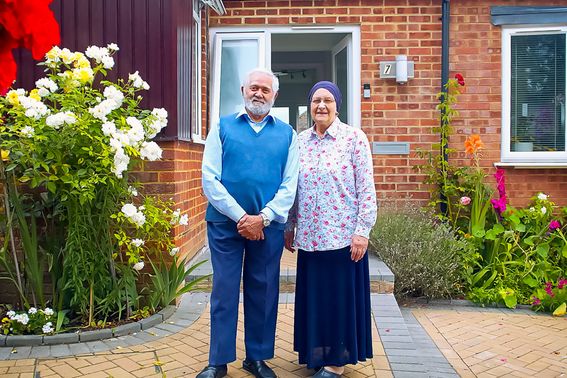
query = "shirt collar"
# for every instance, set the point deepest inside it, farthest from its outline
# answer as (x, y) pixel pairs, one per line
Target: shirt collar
(332, 131)
(243, 113)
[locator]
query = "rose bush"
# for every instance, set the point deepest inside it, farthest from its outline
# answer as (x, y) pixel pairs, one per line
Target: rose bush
(68, 146)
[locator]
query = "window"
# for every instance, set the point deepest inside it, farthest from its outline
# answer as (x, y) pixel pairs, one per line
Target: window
(533, 108)
(196, 99)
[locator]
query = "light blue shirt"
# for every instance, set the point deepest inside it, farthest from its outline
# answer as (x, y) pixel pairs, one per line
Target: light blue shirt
(277, 209)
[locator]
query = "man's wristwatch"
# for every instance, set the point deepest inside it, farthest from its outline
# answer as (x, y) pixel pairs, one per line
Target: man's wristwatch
(265, 220)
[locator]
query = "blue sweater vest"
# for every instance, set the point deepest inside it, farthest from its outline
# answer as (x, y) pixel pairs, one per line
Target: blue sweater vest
(252, 163)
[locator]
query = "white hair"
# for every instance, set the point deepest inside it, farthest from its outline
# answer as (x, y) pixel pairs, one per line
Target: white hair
(275, 81)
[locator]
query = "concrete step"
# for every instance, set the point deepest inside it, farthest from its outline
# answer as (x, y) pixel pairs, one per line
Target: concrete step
(381, 277)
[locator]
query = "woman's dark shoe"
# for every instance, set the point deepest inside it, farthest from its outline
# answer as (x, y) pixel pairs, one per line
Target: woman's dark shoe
(258, 368)
(210, 371)
(322, 373)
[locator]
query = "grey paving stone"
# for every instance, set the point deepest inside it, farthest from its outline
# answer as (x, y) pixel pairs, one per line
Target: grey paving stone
(19, 352)
(398, 345)
(98, 334)
(388, 319)
(79, 348)
(151, 321)
(5, 353)
(418, 368)
(41, 351)
(24, 340)
(392, 326)
(402, 352)
(126, 329)
(96, 346)
(393, 332)
(408, 374)
(168, 328)
(405, 359)
(61, 338)
(144, 337)
(168, 311)
(60, 350)
(3, 340)
(398, 339)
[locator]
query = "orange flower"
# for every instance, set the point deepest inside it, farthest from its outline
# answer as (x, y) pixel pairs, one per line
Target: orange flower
(473, 144)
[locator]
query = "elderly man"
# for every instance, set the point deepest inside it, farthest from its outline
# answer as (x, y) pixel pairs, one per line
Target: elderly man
(250, 168)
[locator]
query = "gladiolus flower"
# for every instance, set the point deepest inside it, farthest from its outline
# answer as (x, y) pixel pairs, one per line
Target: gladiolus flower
(460, 79)
(554, 225)
(536, 301)
(465, 200)
(473, 144)
(561, 283)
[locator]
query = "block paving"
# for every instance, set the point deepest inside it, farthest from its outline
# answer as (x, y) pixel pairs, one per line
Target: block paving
(498, 342)
(183, 354)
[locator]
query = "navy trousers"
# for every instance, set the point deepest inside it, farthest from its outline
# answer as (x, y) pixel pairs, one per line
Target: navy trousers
(261, 260)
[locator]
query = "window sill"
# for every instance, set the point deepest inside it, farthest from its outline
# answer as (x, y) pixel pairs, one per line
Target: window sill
(530, 165)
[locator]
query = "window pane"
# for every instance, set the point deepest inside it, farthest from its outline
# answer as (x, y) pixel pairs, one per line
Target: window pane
(237, 58)
(302, 119)
(537, 121)
(281, 112)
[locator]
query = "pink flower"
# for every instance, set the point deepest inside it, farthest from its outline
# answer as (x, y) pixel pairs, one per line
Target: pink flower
(499, 205)
(465, 200)
(554, 225)
(536, 301)
(549, 289)
(561, 283)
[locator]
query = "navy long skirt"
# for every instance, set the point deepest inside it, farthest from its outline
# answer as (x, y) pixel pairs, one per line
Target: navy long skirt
(333, 325)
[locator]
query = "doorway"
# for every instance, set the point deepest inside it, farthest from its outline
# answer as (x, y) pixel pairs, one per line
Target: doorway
(299, 56)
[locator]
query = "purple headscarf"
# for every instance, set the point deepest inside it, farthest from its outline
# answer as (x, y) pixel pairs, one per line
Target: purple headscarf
(331, 87)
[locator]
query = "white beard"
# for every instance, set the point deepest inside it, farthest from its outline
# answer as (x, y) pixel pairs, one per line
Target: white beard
(258, 110)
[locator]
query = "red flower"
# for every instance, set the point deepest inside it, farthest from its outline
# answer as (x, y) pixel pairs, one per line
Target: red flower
(24, 23)
(460, 79)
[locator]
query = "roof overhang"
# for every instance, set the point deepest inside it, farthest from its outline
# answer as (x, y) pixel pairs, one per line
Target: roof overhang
(215, 5)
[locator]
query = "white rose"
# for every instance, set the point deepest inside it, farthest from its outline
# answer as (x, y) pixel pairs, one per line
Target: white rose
(138, 266)
(129, 210)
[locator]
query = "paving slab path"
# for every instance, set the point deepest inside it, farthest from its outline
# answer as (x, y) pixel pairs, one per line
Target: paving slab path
(417, 341)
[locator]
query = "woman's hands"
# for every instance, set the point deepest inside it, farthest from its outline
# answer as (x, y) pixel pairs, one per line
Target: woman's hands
(358, 247)
(288, 240)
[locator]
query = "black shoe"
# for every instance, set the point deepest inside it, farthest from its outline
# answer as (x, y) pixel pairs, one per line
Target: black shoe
(218, 371)
(322, 373)
(258, 368)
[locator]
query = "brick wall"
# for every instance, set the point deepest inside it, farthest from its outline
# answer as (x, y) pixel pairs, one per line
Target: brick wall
(406, 113)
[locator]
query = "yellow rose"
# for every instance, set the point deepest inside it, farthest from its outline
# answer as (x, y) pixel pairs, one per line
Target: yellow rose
(53, 54)
(35, 95)
(560, 311)
(12, 97)
(83, 75)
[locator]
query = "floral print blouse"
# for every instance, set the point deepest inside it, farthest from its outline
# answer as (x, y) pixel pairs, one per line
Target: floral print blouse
(336, 197)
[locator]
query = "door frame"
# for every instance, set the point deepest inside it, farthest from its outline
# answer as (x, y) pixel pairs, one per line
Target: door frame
(353, 54)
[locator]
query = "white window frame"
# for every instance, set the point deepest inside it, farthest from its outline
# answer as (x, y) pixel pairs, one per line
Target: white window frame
(197, 124)
(264, 33)
(508, 157)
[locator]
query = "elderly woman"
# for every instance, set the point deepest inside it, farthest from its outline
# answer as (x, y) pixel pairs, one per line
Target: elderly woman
(334, 212)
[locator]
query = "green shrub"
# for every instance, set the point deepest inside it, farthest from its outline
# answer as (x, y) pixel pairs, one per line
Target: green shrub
(423, 254)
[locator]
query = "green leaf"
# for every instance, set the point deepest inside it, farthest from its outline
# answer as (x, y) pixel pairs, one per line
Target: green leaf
(51, 187)
(542, 250)
(520, 227)
(478, 231)
(530, 281)
(564, 251)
